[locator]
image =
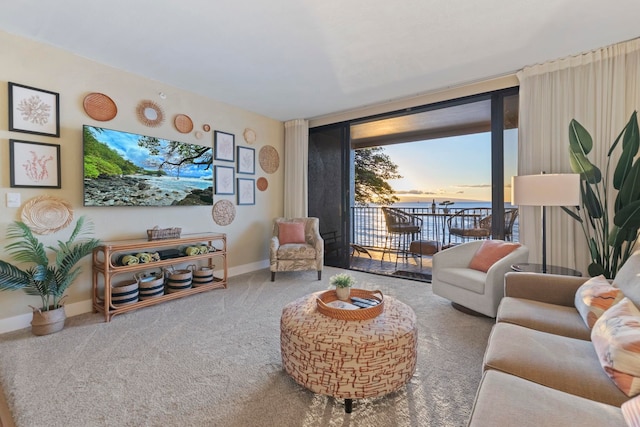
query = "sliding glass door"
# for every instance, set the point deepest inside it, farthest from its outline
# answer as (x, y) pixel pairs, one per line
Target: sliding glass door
(456, 155)
(330, 188)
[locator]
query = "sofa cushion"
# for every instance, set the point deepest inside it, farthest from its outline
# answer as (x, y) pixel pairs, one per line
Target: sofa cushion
(616, 338)
(490, 252)
(594, 297)
(545, 317)
(465, 278)
(628, 279)
(567, 364)
(631, 411)
(507, 400)
(291, 232)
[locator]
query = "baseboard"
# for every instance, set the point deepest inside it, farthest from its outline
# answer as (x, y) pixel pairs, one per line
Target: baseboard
(24, 320)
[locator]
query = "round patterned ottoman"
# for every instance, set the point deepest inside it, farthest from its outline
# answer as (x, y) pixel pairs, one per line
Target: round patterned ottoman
(348, 359)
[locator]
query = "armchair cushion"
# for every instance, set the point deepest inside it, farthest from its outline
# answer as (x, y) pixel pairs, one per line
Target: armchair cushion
(291, 232)
(595, 297)
(490, 252)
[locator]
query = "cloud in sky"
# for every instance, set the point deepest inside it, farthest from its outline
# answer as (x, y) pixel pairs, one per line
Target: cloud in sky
(473, 185)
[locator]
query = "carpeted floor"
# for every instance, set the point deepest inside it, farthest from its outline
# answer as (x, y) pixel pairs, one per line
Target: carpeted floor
(213, 359)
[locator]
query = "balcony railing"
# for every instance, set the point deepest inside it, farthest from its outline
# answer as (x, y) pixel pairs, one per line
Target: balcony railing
(450, 226)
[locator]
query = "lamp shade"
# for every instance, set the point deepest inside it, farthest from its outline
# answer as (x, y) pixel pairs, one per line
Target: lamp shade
(546, 190)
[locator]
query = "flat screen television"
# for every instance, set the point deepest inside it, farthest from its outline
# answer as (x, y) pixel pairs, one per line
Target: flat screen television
(127, 169)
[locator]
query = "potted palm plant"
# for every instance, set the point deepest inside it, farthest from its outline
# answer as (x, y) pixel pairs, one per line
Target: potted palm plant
(48, 280)
(343, 283)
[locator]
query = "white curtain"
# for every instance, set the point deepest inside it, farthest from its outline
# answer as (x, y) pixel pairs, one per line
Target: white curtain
(600, 89)
(296, 155)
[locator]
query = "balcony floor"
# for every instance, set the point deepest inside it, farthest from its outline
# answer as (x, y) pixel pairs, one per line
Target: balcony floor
(406, 268)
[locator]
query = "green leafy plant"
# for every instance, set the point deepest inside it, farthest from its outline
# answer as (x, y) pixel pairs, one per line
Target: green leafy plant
(342, 280)
(47, 280)
(610, 243)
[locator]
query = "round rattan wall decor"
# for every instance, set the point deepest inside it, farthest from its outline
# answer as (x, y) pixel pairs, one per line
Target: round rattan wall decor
(206, 127)
(269, 159)
(149, 113)
(47, 214)
(99, 107)
(223, 212)
(262, 183)
(250, 135)
(183, 123)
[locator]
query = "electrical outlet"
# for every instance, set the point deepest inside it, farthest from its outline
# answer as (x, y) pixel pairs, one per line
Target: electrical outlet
(13, 200)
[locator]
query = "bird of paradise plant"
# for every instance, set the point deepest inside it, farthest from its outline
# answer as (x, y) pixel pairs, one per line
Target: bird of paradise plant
(610, 243)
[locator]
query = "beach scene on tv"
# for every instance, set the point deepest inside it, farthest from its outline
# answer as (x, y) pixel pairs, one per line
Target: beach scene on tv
(127, 169)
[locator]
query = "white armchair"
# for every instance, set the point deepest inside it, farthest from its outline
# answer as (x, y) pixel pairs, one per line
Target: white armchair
(472, 289)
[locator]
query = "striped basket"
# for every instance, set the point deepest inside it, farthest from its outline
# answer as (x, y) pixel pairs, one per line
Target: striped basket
(150, 286)
(124, 293)
(178, 280)
(202, 276)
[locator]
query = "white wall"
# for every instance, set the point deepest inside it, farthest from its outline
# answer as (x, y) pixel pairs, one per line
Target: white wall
(73, 77)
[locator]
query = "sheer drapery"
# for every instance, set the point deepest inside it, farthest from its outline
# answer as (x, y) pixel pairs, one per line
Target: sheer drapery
(296, 155)
(600, 89)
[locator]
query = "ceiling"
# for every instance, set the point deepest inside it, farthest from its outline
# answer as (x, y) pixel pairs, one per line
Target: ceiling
(289, 59)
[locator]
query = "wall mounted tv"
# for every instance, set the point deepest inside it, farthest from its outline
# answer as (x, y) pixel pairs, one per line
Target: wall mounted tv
(127, 169)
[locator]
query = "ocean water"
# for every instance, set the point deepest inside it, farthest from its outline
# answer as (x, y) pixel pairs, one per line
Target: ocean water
(186, 184)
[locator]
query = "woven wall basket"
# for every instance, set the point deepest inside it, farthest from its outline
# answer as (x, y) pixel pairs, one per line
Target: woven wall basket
(47, 214)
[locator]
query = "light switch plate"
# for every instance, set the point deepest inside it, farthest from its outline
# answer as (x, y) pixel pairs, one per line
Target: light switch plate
(13, 200)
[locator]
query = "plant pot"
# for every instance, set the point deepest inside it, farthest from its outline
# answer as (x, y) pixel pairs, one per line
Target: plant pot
(47, 322)
(343, 293)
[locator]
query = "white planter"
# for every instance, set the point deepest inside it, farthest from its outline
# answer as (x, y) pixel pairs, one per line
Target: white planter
(343, 293)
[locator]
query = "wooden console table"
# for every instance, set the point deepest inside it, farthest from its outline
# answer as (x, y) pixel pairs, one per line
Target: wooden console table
(106, 268)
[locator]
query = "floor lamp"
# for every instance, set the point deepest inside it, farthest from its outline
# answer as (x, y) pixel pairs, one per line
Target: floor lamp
(545, 190)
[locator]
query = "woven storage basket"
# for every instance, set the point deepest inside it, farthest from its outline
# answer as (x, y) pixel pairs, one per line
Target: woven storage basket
(343, 314)
(156, 233)
(150, 286)
(202, 276)
(124, 293)
(178, 280)
(48, 322)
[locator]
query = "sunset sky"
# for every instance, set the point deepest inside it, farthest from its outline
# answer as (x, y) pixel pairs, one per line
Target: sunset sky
(455, 168)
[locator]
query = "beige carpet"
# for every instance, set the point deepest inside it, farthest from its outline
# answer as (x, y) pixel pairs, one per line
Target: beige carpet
(213, 359)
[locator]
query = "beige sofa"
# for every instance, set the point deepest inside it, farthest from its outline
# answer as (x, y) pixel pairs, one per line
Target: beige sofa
(540, 367)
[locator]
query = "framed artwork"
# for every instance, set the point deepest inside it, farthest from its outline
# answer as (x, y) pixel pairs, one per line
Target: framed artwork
(223, 146)
(34, 164)
(34, 110)
(246, 191)
(246, 160)
(224, 180)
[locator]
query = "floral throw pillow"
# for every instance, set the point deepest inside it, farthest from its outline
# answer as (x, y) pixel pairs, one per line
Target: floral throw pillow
(616, 339)
(594, 297)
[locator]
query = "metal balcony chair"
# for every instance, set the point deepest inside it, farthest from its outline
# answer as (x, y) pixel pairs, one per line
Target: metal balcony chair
(470, 224)
(403, 227)
(475, 223)
(510, 216)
